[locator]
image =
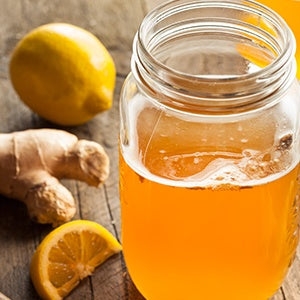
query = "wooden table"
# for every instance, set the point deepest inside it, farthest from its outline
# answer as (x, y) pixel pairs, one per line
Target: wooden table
(115, 23)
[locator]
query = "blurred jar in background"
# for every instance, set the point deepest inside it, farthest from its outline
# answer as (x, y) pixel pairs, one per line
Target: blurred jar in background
(289, 10)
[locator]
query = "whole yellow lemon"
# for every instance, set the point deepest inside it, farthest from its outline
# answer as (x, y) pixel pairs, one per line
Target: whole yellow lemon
(63, 73)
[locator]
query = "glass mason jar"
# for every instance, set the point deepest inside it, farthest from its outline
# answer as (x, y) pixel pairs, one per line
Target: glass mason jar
(209, 152)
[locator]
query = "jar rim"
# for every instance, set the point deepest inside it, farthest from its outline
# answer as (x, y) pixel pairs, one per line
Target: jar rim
(147, 66)
(287, 52)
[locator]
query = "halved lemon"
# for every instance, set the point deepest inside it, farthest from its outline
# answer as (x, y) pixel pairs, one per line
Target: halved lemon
(68, 254)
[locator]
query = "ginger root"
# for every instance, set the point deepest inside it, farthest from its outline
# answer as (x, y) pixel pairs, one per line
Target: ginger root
(32, 162)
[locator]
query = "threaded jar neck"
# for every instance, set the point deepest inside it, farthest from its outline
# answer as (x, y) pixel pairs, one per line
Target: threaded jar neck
(213, 56)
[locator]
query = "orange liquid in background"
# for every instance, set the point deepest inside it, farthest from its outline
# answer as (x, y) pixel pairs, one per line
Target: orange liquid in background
(290, 11)
(225, 242)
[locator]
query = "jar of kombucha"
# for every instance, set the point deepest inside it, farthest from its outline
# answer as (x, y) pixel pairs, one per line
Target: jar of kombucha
(209, 152)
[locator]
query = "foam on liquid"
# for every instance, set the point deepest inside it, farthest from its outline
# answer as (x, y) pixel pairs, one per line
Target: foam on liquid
(226, 169)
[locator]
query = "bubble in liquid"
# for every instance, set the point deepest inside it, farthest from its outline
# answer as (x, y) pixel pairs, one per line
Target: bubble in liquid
(196, 160)
(244, 141)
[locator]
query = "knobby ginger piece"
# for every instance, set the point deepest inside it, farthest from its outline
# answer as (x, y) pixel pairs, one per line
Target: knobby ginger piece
(33, 161)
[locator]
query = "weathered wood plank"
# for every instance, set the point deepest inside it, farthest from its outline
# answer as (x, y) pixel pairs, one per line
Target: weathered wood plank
(17, 243)
(115, 23)
(291, 286)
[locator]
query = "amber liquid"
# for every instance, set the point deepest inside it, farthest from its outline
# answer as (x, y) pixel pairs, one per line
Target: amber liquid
(289, 10)
(187, 239)
(188, 243)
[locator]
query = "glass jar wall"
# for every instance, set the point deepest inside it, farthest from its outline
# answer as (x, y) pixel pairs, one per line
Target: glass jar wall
(209, 152)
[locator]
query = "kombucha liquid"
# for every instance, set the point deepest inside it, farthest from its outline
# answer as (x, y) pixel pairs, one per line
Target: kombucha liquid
(206, 222)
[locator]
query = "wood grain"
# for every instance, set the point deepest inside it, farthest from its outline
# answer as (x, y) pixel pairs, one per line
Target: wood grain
(115, 23)
(18, 235)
